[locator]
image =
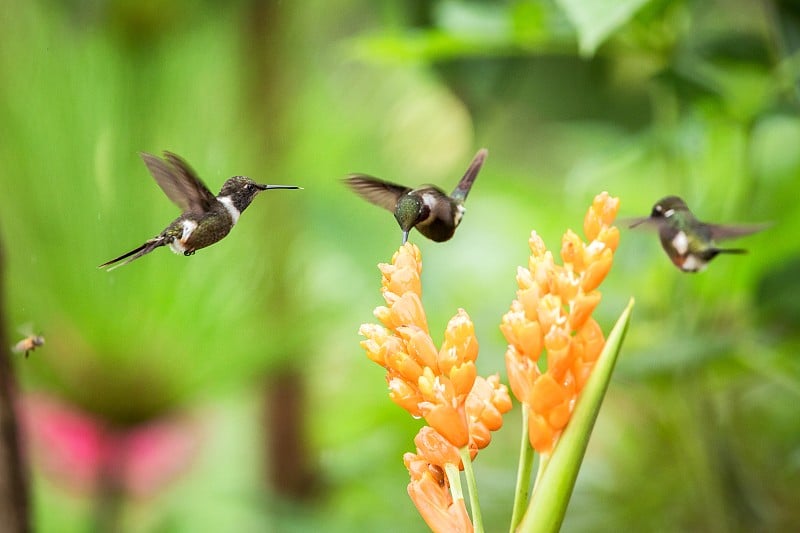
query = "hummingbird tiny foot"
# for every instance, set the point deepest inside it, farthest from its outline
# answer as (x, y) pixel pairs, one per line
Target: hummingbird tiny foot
(187, 253)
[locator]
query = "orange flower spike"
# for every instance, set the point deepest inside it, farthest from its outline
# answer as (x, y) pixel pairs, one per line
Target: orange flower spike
(500, 398)
(601, 213)
(407, 310)
(546, 394)
(587, 345)
(541, 261)
(540, 434)
(591, 336)
(404, 366)
(406, 258)
(479, 436)
(418, 466)
(559, 360)
(429, 385)
(525, 335)
(398, 281)
(436, 509)
(487, 403)
(610, 237)
(597, 270)
(435, 449)
(529, 302)
(379, 342)
(450, 422)
(537, 245)
(404, 395)
(559, 415)
(567, 284)
(522, 373)
(572, 250)
(463, 378)
(525, 279)
(581, 309)
(550, 312)
(419, 345)
(431, 495)
(460, 344)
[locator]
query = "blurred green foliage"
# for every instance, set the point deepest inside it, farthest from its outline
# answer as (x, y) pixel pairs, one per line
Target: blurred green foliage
(642, 98)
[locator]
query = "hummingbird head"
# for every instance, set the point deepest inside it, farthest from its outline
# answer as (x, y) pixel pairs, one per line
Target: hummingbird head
(409, 211)
(666, 207)
(241, 190)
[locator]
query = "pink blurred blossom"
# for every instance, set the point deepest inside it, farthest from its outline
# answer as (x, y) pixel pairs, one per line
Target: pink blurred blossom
(82, 452)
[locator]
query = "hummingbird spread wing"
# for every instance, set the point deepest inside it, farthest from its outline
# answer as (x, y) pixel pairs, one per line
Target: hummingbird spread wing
(720, 232)
(374, 190)
(179, 182)
(462, 189)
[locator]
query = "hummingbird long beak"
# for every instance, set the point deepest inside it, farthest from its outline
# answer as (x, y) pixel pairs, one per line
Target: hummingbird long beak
(405, 237)
(638, 222)
(267, 187)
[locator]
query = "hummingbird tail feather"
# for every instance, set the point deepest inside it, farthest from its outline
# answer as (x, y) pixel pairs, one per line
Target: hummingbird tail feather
(134, 254)
(462, 189)
(731, 251)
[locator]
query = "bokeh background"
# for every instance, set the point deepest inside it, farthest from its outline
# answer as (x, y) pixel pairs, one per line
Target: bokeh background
(227, 391)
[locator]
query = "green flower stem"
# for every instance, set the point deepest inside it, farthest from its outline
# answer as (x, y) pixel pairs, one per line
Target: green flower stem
(477, 520)
(454, 479)
(543, 460)
(523, 473)
(556, 479)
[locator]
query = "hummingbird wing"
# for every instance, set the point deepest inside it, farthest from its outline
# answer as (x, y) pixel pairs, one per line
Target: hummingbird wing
(465, 184)
(720, 232)
(374, 190)
(179, 182)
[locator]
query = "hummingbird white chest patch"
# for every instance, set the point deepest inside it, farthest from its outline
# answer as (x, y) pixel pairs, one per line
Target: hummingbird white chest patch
(228, 203)
(429, 200)
(680, 242)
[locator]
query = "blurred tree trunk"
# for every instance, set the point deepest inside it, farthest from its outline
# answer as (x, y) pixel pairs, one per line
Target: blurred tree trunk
(269, 66)
(14, 516)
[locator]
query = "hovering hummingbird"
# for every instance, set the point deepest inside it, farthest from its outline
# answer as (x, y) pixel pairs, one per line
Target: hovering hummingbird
(689, 243)
(428, 208)
(205, 219)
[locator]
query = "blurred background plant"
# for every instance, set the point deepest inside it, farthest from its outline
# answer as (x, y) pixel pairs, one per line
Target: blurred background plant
(642, 98)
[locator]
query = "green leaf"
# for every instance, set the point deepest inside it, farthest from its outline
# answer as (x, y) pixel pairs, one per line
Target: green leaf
(551, 495)
(595, 20)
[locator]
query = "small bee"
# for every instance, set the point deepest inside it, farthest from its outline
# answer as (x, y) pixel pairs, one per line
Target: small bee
(28, 344)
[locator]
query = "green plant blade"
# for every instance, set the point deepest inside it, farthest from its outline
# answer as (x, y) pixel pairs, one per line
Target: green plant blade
(597, 20)
(549, 501)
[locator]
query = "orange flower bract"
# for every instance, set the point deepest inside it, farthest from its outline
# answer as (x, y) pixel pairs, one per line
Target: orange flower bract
(428, 382)
(440, 385)
(552, 312)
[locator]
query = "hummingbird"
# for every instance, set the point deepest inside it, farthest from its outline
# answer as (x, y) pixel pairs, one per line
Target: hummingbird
(428, 208)
(689, 243)
(205, 218)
